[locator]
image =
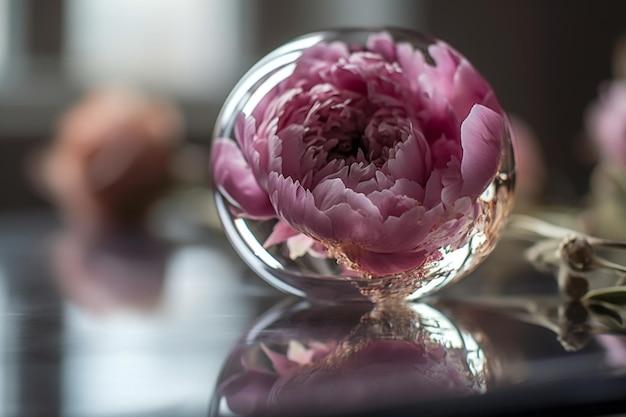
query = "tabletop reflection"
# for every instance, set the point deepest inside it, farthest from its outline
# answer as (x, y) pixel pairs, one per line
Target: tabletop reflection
(135, 326)
(306, 359)
(110, 273)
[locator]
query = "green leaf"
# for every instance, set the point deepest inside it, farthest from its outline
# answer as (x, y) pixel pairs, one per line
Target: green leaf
(608, 311)
(612, 295)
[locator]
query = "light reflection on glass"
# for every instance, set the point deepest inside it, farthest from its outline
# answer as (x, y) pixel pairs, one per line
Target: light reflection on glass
(4, 33)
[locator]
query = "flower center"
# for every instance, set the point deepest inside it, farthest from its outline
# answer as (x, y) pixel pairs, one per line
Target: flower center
(347, 148)
(354, 129)
(386, 128)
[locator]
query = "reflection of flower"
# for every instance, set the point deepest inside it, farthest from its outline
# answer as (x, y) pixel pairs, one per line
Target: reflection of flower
(388, 358)
(110, 158)
(607, 123)
(247, 391)
(110, 274)
(434, 373)
(374, 152)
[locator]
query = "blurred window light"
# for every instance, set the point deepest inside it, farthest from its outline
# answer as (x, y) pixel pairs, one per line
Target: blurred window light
(187, 47)
(360, 13)
(4, 33)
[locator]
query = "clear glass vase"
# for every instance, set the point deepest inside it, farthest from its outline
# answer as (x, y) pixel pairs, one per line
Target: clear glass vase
(323, 267)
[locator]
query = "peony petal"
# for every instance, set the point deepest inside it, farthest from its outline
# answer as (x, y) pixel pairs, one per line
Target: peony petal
(368, 186)
(447, 59)
(438, 80)
(438, 121)
(292, 150)
(390, 204)
(332, 192)
(432, 192)
(443, 150)
(329, 193)
(412, 160)
(452, 182)
(386, 263)
(321, 349)
(383, 180)
(254, 148)
(244, 133)
(408, 188)
(325, 52)
(296, 206)
(282, 231)
(299, 245)
(471, 88)
(318, 250)
(298, 353)
(281, 363)
(406, 232)
(330, 170)
(315, 62)
(362, 204)
(457, 80)
(357, 173)
(352, 226)
(412, 63)
(348, 79)
(447, 232)
(382, 43)
(235, 180)
(481, 138)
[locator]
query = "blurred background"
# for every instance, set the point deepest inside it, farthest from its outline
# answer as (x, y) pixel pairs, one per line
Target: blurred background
(545, 60)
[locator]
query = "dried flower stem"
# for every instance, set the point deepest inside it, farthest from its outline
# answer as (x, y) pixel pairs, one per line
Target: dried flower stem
(571, 253)
(520, 224)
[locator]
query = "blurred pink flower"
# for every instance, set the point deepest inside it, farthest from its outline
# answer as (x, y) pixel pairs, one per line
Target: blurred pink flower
(110, 157)
(376, 153)
(615, 349)
(606, 123)
(530, 167)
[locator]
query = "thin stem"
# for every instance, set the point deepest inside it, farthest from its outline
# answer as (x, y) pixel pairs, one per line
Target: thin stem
(539, 227)
(603, 263)
(614, 244)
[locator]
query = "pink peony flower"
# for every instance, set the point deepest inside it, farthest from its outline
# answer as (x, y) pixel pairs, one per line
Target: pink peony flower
(606, 123)
(375, 153)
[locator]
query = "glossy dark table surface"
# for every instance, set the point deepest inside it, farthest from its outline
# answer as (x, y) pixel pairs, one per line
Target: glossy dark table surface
(138, 327)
